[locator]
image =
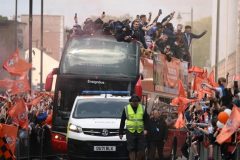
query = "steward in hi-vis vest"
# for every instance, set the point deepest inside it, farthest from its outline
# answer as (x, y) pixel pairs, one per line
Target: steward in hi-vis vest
(135, 117)
(134, 121)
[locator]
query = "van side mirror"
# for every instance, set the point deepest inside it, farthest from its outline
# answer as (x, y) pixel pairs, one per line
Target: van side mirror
(49, 79)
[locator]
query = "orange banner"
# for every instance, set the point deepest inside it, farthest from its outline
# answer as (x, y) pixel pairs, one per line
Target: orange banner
(166, 74)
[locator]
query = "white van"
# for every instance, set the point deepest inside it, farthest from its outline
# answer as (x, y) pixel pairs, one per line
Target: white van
(93, 128)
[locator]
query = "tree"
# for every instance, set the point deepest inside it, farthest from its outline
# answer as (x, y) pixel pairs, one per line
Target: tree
(202, 46)
(2, 18)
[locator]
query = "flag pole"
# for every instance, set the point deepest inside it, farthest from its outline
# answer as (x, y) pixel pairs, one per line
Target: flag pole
(16, 24)
(41, 59)
(217, 40)
(30, 40)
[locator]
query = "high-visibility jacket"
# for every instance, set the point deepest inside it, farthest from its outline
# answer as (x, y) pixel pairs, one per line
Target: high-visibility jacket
(134, 121)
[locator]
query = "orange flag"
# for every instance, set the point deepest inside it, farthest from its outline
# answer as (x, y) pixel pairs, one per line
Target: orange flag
(230, 127)
(36, 100)
(203, 75)
(197, 86)
(181, 90)
(15, 65)
(20, 86)
(197, 83)
(211, 80)
(195, 69)
(175, 101)
(138, 87)
(180, 123)
(19, 113)
(181, 102)
(10, 133)
(6, 83)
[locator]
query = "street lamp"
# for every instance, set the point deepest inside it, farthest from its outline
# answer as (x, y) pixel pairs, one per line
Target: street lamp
(30, 39)
(179, 17)
(41, 62)
(16, 24)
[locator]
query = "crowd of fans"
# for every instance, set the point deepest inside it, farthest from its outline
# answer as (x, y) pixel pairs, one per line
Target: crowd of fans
(154, 35)
(39, 117)
(38, 112)
(203, 119)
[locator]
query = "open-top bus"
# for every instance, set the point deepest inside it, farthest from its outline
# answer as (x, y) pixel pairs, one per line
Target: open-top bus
(90, 62)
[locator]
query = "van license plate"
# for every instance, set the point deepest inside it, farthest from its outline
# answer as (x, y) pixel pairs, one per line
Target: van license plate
(104, 148)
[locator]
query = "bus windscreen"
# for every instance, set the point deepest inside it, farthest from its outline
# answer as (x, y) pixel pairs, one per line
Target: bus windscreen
(100, 56)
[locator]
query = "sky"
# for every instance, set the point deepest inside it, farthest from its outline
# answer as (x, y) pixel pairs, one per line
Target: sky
(87, 8)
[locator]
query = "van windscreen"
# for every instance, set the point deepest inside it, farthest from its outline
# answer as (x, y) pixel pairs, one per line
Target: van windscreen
(99, 108)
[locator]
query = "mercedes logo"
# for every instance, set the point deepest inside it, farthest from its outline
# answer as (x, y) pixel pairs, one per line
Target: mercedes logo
(105, 132)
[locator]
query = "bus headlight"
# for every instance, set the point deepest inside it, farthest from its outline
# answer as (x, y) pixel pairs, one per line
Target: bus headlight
(75, 128)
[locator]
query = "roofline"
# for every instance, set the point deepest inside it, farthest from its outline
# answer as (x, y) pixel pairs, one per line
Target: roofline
(26, 15)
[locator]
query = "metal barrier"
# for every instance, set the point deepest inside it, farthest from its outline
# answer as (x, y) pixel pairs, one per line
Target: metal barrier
(217, 152)
(237, 156)
(37, 144)
(203, 152)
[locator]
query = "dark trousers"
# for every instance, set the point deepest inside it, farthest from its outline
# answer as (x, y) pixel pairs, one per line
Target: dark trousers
(153, 146)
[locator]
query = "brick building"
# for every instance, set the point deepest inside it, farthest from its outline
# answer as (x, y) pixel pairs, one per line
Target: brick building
(53, 34)
(8, 41)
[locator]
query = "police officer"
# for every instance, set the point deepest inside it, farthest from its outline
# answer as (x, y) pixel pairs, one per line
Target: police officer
(134, 116)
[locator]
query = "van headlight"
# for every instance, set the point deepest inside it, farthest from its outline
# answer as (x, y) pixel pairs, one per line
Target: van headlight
(75, 128)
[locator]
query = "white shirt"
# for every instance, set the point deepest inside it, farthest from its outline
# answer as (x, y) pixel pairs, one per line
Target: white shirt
(220, 91)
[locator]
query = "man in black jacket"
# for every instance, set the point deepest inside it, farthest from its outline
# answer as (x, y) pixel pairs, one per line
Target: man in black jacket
(138, 33)
(156, 134)
(188, 36)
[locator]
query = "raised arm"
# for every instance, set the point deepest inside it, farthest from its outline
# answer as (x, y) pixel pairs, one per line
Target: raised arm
(198, 36)
(158, 15)
(167, 19)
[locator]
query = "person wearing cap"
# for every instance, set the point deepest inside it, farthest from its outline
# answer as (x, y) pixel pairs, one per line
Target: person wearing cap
(135, 117)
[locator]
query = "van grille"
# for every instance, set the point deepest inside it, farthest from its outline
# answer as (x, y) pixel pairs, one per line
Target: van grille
(101, 132)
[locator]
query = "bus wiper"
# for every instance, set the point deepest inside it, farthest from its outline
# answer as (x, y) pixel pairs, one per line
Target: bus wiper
(124, 75)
